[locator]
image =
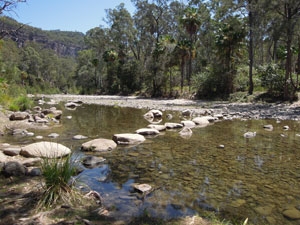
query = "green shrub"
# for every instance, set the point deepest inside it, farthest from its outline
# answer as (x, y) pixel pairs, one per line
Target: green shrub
(272, 77)
(57, 174)
(21, 103)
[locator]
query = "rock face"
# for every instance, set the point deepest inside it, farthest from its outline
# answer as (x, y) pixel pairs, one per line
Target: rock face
(45, 150)
(99, 145)
(128, 139)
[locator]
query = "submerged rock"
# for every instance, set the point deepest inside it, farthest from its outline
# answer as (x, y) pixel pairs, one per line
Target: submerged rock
(249, 134)
(268, 127)
(292, 213)
(92, 161)
(144, 188)
(186, 132)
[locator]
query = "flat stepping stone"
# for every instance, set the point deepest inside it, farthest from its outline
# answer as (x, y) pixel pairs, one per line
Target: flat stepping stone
(147, 131)
(157, 127)
(45, 149)
(99, 145)
(173, 125)
(128, 138)
(201, 121)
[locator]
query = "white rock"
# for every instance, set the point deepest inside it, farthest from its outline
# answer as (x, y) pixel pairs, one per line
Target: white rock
(45, 149)
(173, 125)
(128, 138)
(201, 120)
(249, 134)
(99, 145)
(147, 131)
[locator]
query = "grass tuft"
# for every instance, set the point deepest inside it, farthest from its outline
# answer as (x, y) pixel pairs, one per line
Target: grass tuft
(57, 174)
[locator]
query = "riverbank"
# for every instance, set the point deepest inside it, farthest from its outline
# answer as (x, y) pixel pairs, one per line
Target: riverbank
(250, 110)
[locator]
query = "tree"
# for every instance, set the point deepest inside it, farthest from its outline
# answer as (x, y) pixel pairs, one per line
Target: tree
(191, 21)
(8, 6)
(229, 39)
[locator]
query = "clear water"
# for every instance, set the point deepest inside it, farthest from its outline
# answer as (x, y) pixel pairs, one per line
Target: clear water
(255, 178)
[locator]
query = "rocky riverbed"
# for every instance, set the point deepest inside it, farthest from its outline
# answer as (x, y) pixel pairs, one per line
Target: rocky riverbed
(280, 111)
(226, 110)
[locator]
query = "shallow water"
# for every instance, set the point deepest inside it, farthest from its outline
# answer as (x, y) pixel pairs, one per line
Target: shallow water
(256, 178)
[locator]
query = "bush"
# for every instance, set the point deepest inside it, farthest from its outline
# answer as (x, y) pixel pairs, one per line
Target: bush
(57, 189)
(21, 103)
(272, 77)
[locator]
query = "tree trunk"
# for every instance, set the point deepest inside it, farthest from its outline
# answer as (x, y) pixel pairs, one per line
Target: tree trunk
(251, 86)
(288, 62)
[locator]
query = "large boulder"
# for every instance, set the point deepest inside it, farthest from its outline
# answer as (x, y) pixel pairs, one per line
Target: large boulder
(128, 138)
(99, 145)
(45, 149)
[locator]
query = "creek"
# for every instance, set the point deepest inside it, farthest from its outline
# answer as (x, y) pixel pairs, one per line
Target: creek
(256, 178)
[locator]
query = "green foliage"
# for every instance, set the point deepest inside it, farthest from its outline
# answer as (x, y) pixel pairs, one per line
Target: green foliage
(206, 85)
(57, 187)
(272, 77)
(21, 103)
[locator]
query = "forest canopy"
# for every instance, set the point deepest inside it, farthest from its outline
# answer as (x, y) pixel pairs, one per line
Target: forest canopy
(204, 49)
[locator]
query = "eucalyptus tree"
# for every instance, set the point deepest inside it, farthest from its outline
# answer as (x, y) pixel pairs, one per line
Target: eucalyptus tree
(122, 34)
(289, 10)
(97, 40)
(152, 21)
(84, 81)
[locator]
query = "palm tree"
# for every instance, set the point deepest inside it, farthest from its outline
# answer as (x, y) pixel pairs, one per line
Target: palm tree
(192, 22)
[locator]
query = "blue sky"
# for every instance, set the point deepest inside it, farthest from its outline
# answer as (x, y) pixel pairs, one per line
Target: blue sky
(66, 15)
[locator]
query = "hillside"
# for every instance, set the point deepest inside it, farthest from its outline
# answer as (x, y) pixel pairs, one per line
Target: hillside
(64, 43)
